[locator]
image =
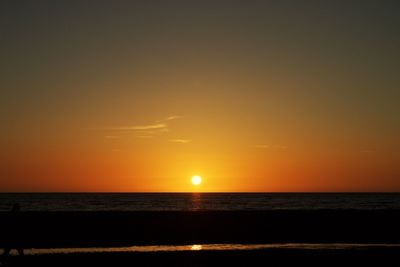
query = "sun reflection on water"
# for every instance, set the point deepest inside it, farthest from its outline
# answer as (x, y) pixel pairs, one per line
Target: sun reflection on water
(195, 202)
(196, 247)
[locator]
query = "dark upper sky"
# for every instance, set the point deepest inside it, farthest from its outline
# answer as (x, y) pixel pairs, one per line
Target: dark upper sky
(307, 76)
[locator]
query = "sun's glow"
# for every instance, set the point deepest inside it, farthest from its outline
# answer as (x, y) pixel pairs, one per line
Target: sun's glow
(196, 180)
(196, 247)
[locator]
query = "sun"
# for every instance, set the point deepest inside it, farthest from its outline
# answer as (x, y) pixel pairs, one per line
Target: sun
(196, 180)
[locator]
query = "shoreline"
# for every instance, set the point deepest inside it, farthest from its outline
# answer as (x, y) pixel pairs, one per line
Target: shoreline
(208, 247)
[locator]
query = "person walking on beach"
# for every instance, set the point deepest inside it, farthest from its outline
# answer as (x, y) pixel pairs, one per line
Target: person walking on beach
(13, 240)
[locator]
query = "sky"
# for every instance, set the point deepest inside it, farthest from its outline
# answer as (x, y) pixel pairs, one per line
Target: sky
(253, 96)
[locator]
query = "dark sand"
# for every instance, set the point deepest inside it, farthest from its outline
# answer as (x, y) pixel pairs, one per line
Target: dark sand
(96, 229)
(78, 229)
(270, 257)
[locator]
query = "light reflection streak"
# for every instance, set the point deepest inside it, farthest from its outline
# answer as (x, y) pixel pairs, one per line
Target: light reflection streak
(205, 247)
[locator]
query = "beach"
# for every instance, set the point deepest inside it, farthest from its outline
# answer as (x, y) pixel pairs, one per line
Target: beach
(270, 257)
(94, 229)
(119, 229)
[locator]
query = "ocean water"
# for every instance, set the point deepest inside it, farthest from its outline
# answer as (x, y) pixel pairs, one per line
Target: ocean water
(197, 201)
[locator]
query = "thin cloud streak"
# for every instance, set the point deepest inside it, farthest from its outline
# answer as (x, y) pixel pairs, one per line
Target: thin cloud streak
(181, 141)
(160, 125)
(171, 118)
(278, 147)
(148, 130)
(157, 126)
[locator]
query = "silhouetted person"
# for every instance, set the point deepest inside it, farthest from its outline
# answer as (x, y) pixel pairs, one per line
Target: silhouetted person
(14, 238)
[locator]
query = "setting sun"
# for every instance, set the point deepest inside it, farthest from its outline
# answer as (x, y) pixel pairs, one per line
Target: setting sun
(255, 109)
(196, 180)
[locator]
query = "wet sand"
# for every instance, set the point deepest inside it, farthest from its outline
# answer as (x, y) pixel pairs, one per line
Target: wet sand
(117, 229)
(270, 257)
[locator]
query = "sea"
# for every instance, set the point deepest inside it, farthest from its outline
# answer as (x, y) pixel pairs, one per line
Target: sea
(197, 201)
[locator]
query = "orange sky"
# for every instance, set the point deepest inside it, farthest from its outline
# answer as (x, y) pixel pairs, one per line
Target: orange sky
(137, 97)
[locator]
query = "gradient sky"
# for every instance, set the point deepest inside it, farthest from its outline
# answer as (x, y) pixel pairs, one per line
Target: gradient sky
(251, 95)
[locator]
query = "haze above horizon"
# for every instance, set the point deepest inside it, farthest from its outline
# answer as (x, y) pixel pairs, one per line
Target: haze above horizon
(253, 96)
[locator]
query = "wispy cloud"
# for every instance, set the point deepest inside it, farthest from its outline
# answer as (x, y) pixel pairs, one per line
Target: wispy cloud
(146, 130)
(155, 126)
(181, 141)
(173, 117)
(276, 147)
